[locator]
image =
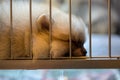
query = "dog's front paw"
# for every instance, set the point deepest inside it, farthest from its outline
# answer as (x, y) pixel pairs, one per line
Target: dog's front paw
(56, 54)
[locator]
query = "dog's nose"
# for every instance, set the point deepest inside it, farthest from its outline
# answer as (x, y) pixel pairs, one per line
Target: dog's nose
(79, 52)
(84, 52)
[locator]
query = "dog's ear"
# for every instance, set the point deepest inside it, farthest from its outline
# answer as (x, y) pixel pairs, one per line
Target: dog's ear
(43, 22)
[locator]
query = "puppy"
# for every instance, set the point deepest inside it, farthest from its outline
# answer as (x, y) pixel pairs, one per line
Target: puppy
(19, 43)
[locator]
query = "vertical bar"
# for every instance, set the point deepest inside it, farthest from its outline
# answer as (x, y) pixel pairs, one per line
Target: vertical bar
(50, 31)
(30, 38)
(109, 27)
(11, 28)
(90, 29)
(70, 33)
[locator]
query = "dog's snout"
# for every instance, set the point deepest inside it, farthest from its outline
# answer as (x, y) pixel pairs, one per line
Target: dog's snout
(80, 52)
(84, 52)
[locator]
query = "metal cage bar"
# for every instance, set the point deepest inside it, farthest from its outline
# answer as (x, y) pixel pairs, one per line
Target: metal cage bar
(11, 28)
(70, 25)
(109, 27)
(90, 29)
(50, 30)
(30, 38)
(60, 64)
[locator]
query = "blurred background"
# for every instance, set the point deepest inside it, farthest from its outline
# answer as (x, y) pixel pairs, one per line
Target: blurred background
(61, 74)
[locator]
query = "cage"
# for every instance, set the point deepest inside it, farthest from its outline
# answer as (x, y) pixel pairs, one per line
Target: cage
(96, 58)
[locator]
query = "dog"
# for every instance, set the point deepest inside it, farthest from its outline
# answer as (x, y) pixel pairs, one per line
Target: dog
(15, 40)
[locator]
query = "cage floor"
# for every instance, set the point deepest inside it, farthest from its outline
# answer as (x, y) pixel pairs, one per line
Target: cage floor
(100, 45)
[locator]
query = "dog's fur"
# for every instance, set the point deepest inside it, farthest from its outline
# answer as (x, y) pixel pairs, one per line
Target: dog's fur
(20, 34)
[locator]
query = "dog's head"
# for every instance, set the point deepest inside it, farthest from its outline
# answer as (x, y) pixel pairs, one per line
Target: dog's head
(61, 31)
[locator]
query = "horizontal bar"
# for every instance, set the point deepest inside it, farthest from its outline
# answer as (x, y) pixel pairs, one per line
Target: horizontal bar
(59, 64)
(59, 58)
